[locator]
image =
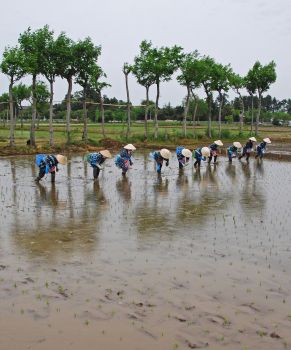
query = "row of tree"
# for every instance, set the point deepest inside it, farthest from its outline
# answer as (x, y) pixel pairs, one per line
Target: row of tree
(40, 53)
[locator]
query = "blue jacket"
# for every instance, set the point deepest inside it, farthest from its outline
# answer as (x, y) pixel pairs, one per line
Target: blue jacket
(95, 158)
(232, 149)
(213, 147)
(179, 154)
(46, 162)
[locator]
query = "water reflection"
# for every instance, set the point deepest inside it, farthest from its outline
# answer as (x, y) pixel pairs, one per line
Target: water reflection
(71, 216)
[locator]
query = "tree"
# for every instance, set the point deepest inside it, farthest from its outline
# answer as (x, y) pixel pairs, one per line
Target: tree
(67, 69)
(12, 66)
(21, 93)
(237, 83)
(87, 55)
(42, 94)
(205, 69)
(251, 89)
(163, 62)
(141, 70)
(51, 61)
(126, 69)
(189, 77)
(96, 74)
(220, 83)
(262, 77)
(33, 46)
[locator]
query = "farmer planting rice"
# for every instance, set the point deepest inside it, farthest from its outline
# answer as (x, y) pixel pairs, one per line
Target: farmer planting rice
(48, 164)
(261, 148)
(214, 150)
(232, 151)
(248, 148)
(123, 159)
(161, 156)
(200, 154)
(183, 156)
(96, 160)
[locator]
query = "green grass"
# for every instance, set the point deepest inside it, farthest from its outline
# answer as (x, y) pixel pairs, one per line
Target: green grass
(169, 134)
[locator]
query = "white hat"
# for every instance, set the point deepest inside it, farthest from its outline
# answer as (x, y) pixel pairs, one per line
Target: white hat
(253, 139)
(105, 153)
(237, 144)
(205, 151)
(218, 143)
(130, 147)
(267, 140)
(61, 159)
(165, 153)
(186, 153)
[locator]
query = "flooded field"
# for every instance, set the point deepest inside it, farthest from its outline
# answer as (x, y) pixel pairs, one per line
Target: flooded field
(189, 260)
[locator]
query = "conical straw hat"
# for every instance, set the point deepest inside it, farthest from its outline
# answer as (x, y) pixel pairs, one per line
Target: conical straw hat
(253, 139)
(61, 159)
(267, 140)
(105, 153)
(237, 144)
(165, 153)
(205, 151)
(186, 153)
(218, 143)
(130, 147)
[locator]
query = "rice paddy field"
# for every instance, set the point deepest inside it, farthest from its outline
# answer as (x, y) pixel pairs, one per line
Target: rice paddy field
(191, 259)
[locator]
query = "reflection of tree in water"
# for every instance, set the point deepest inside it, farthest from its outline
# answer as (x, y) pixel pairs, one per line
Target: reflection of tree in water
(252, 198)
(59, 227)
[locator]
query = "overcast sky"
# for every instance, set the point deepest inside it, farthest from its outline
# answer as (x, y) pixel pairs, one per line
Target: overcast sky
(238, 32)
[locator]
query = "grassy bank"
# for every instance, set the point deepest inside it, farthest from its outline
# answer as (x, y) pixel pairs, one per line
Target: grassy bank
(170, 135)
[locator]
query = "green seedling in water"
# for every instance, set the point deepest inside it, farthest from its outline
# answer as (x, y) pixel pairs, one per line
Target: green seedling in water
(86, 322)
(262, 333)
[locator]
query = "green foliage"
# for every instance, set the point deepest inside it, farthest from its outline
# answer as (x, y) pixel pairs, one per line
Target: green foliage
(261, 77)
(228, 119)
(12, 64)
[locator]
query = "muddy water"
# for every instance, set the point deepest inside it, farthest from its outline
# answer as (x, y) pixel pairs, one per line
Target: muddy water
(193, 259)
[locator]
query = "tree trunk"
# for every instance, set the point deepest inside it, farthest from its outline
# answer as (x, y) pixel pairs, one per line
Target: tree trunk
(11, 137)
(146, 113)
(85, 128)
(219, 113)
(241, 116)
(186, 112)
(68, 115)
(102, 114)
(194, 115)
(258, 114)
(252, 121)
(209, 115)
(128, 106)
(51, 113)
(33, 117)
(156, 110)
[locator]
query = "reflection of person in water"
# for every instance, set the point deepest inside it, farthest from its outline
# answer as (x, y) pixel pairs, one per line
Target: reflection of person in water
(182, 181)
(48, 164)
(96, 160)
(161, 156)
(183, 156)
(50, 197)
(123, 159)
(123, 187)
